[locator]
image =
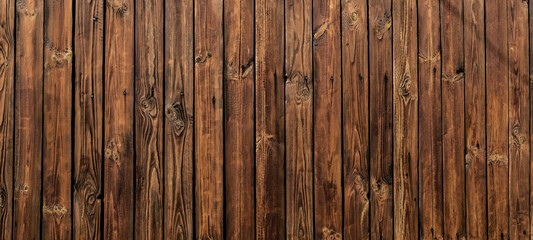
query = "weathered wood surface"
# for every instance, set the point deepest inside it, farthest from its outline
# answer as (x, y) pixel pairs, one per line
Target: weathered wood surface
(265, 119)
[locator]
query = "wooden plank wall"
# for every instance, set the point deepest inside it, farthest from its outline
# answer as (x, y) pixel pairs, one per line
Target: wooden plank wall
(266, 119)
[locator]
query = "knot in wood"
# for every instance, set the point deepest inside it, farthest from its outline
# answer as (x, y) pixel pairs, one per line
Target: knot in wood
(112, 151)
(497, 159)
(517, 139)
(117, 6)
(330, 234)
(57, 210)
(404, 88)
(149, 106)
(22, 8)
(176, 116)
(383, 25)
(3, 197)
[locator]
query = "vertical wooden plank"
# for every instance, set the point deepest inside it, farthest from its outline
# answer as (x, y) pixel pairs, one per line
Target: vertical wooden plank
(354, 20)
(269, 112)
(88, 128)
(239, 119)
(57, 148)
(118, 120)
(179, 97)
(327, 118)
(7, 91)
(518, 49)
(430, 120)
(475, 160)
(28, 119)
(209, 105)
(453, 128)
(149, 19)
(299, 118)
(497, 121)
(405, 97)
(380, 84)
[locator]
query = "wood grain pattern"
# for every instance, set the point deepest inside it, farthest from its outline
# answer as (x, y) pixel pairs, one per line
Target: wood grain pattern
(430, 121)
(475, 159)
(328, 119)
(7, 93)
(239, 119)
(149, 38)
(118, 121)
(299, 119)
(88, 121)
(209, 106)
(179, 118)
(453, 128)
(57, 140)
(356, 166)
(28, 119)
(497, 119)
(269, 120)
(380, 87)
(405, 98)
(519, 155)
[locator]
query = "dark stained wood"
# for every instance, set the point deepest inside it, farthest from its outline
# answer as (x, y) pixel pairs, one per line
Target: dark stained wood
(118, 121)
(209, 106)
(475, 159)
(7, 93)
(453, 128)
(28, 119)
(149, 59)
(380, 85)
(269, 120)
(328, 119)
(354, 21)
(430, 121)
(88, 122)
(405, 98)
(497, 119)
(518, 48)
(57, 140)
(239, 119)
(179, 107)
(299, 118)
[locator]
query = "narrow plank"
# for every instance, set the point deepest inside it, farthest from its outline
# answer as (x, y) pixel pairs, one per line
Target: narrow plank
(380, 86)
(28, 119)
(405, 101)
(299, 118)
(475, 160)
(497, 119)
(118, 121)
(269, 125)
(209, 105)
(430, 120)
(57, 113)
(179, 107)
(7, 87)
(88, 120)
(149, 59)
(355, 119)
(530, 32)
(239, 119)
(453, 128)
(518, 49)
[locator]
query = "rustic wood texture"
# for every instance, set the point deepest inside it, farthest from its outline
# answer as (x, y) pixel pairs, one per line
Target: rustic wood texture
(430, 125)
(266, 119)
(327, 119)
(497, 86)
(269, 120)
(179, 129)
(356, 165)
(209, 106)
(239, 119)
(27, 167)
(380, 81)
(119, 133)
(7, 106)
(405, 98)
(299, 119)
(88, 106)
(149, 79)
(475, 117)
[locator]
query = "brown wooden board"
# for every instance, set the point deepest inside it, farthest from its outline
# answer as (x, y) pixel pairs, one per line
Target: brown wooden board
(239, 119)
